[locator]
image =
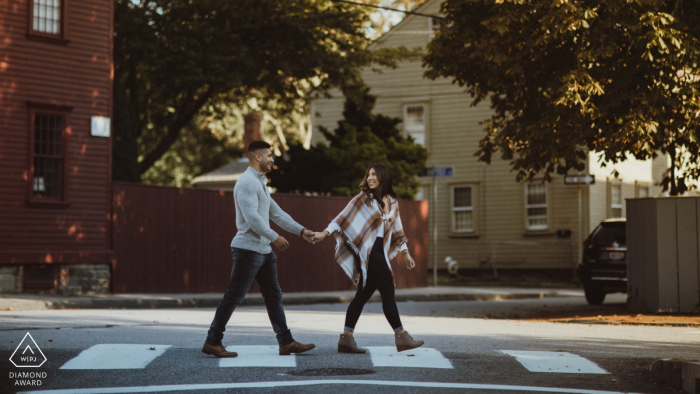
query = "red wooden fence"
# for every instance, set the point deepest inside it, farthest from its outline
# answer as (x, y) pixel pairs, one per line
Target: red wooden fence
(171, 240)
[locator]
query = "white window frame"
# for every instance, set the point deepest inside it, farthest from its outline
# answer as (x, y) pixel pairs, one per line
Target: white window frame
(415, 131)
(537, 227)
(462, 209)
(615, 205)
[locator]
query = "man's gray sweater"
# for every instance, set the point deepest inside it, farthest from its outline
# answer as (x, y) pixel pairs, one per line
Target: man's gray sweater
(254, 209)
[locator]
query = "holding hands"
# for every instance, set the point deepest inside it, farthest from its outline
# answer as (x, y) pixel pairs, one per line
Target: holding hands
(313, 237)
(308, 235)
(318, 237)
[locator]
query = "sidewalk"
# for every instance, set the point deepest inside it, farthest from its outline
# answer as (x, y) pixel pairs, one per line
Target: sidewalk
(28, 302)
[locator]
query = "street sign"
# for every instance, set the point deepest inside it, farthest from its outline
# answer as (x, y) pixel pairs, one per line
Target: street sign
(435, 172)
(580, 179)
(438, 171)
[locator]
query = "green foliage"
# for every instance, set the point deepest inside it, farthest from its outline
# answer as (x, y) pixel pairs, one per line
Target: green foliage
(194, 153)
(617, 77)
(361, 139)
(175, 59)
(216, 139)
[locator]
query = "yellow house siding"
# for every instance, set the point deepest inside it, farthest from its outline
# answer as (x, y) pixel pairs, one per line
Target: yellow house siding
(325, 113)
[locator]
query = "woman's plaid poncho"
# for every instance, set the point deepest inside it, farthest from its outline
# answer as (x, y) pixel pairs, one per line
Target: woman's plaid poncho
(359, 226)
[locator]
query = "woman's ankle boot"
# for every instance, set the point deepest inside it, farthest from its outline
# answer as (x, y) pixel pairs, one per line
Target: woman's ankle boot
(346, 344)
(404, 341)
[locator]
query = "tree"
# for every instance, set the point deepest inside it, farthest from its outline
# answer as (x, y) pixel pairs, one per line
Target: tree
(361, 139)
(619, 77)
(216, 138)
(176, 59)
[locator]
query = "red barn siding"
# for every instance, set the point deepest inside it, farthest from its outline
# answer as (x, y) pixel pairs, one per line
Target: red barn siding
(169, 240)
(79, 75)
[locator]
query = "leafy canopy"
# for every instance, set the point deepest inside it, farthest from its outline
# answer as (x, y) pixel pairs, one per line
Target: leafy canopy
(361, 139)
(565, 77)
(175, 60)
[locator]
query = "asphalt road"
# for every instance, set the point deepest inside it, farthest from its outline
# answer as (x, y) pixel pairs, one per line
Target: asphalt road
(471, 347)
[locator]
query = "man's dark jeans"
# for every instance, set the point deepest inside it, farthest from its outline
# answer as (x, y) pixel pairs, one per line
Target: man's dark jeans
(249, 265)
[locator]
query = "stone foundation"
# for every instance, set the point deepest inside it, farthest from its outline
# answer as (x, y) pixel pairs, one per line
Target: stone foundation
(84, 279)
(9, 282)
(70, 279)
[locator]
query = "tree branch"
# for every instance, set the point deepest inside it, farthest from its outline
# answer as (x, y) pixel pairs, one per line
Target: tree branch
(185, 115)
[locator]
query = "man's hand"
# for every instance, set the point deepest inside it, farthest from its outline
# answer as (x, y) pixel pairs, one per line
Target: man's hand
(281, 243)
(410, 264)
(308, 235)
(318, 237)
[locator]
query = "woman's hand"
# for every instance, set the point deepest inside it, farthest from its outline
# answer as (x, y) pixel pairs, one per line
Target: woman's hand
(410, 264)
(318, 237)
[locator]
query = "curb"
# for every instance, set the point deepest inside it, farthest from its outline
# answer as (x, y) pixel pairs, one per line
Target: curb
(212, 302)
(626, 323)
(681, 374)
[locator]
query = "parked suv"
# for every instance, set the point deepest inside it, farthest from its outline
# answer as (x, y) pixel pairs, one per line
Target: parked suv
(603, 268)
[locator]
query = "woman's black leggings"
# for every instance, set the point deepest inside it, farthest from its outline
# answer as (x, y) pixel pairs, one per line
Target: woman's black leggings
(378, 278)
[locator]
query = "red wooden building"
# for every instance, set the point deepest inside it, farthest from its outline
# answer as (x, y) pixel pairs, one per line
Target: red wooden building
(55, 145)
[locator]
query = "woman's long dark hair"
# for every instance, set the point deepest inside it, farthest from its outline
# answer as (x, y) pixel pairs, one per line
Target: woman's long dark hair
(385, 187)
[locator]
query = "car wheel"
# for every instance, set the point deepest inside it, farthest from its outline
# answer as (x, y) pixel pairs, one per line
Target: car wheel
(594, 295)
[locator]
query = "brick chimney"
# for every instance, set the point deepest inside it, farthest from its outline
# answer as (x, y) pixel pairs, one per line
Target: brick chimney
(252, 130)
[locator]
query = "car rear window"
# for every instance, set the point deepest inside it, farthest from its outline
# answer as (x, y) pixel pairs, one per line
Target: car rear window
(608, 233)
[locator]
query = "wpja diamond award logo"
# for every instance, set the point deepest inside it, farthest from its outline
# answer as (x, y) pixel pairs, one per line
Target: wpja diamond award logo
(28, 355)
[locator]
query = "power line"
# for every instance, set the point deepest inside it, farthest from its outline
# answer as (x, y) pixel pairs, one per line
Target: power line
(389, 9)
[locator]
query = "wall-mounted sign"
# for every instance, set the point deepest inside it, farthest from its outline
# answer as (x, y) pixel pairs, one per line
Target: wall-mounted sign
(100, 126)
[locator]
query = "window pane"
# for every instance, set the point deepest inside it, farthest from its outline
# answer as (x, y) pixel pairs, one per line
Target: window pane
(415, 118)
(463, 220)
(436, 22)
(39, 187)
(44, 135)
(47, 16)
(616, 194)
(537, 212)
(418, 138)
(48, 159)
(462, 197)
(536, 194)
(537, 223)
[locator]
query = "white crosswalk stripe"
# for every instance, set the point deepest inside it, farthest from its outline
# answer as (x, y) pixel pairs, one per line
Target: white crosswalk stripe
(139, 356)
(554, 362)
(387, 356)
(116, 356)
(258, 356)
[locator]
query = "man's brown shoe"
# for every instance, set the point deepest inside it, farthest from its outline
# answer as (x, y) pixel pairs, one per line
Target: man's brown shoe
(217, 351)
(295, 347)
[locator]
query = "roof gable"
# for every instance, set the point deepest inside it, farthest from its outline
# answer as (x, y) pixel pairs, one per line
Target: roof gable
(405, 26)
